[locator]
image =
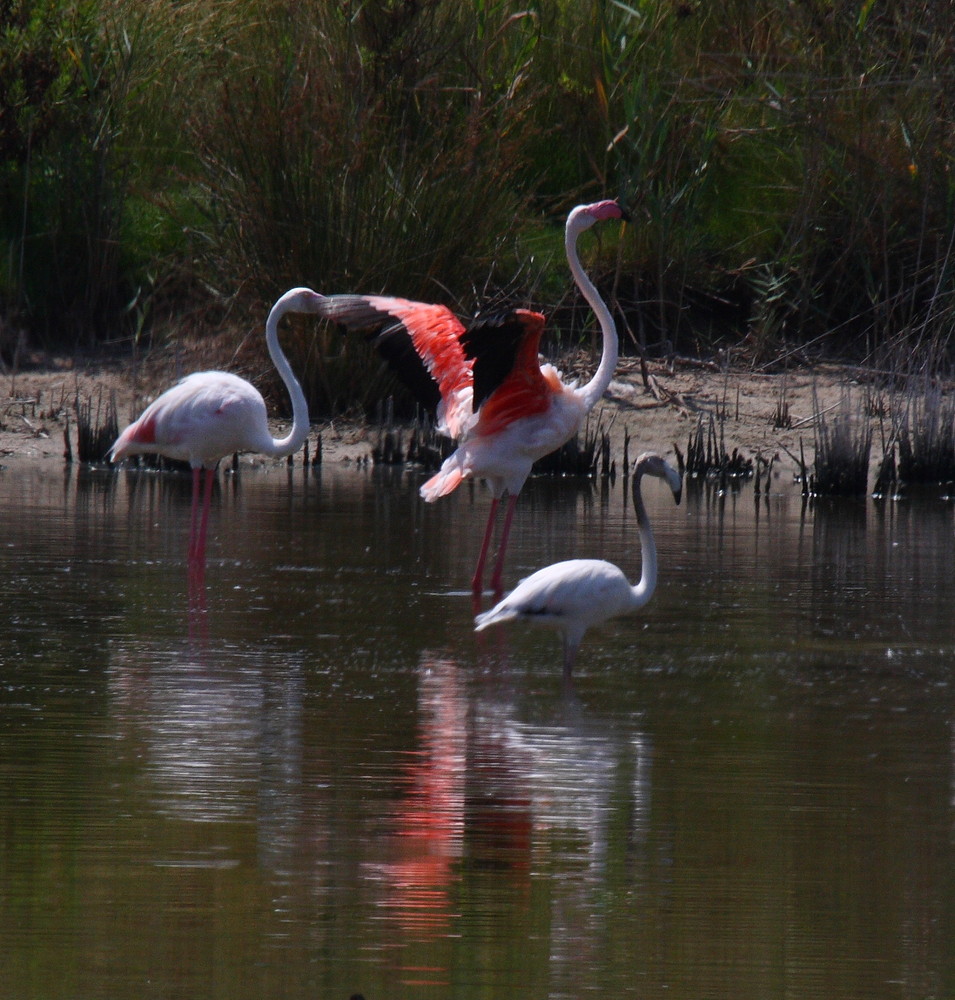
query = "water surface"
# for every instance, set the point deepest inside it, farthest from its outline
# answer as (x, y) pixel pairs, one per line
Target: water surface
(309, 777)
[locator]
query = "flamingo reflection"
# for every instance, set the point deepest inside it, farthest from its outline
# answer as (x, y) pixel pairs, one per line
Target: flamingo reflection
(489, 799)
(197, 608)
(213, 733)
(427, 830)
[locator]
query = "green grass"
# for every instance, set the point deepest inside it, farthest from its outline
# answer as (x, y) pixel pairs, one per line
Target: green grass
(788, 168)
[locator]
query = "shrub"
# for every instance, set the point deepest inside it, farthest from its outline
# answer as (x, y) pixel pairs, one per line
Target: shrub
(61, 174)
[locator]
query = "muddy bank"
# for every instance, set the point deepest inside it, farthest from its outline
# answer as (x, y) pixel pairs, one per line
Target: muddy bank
(772, 415)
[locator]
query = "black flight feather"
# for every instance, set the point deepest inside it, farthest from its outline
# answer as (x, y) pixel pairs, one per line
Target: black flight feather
(493, 342)
(395, 345)
(390, 338)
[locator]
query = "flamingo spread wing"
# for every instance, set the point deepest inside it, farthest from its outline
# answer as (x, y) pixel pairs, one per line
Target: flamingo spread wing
(478, 378)
(499, 344)
(421, 342)
(508, 381)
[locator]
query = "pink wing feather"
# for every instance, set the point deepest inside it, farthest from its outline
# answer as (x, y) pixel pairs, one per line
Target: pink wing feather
(436, 335)
(422, 342)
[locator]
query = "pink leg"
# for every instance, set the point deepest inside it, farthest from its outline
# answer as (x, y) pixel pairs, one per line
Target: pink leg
(505, 534)
(204, 522)
(194, 514)
(478, 577)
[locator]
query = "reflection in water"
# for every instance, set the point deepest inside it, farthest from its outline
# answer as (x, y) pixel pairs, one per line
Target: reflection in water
(198, 603)
(257, 784)
(558, 786)
(214, 737)
(488, 802)
(426, 828)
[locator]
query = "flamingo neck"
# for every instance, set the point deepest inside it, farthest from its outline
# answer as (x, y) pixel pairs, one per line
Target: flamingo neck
(300, 425)
(643, 591)
(597, 386)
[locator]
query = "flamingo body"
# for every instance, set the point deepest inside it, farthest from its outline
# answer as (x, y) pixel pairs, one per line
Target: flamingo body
(485, 383)
(570, 596)
(503, 447)
(209, 415)
(577, 594)
(204, 417)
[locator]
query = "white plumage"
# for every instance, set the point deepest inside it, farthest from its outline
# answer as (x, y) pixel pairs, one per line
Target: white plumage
(209, 415)
(574, 595)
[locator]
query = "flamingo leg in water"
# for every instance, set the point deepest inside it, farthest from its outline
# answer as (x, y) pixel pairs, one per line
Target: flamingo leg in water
(200, 553)
(570, 655)
(498, 574)
(194, 515)
(478, 578)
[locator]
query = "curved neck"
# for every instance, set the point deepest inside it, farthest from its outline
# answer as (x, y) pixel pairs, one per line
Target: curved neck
(300, 426)
(643, 591)
(597, 386)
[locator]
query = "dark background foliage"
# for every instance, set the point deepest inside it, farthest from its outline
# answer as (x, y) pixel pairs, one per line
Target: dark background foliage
(788, 166)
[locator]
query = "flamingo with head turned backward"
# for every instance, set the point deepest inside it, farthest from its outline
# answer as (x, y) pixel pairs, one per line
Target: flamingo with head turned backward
(574, 595)
(489, 390)
(209, 415)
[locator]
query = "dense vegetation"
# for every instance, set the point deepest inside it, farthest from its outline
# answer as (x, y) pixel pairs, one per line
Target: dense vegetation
(167, 169)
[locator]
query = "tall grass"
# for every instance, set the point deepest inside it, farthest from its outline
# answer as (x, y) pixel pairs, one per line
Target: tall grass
(786, 166)
(365, 149)
(926, 435)
(789, 161)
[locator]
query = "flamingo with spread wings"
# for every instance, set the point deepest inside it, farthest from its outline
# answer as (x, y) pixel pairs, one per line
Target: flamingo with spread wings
(485, 382)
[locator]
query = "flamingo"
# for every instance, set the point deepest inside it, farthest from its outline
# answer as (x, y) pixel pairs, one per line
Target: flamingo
(209, 415)
(574, 595)
(491, 394)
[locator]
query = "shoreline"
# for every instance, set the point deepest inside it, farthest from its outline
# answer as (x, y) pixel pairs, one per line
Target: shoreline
(767, 415)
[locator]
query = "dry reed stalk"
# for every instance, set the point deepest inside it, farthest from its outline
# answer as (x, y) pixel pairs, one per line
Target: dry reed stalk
(96, 432)
(843, 445)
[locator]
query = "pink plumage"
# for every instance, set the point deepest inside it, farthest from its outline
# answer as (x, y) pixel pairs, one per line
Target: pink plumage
(485, 382)
(200, 420)
(209, 415)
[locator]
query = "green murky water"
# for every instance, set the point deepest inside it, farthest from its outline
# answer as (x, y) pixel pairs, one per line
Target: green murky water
(310, 777)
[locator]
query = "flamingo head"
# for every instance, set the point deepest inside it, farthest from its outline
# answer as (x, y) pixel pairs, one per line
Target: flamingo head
(302, 300)
(609, 209)
(651, 464)
(584, 216)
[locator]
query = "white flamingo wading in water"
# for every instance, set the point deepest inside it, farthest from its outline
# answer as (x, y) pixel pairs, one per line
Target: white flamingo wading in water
(209, 415)
(574, 595)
